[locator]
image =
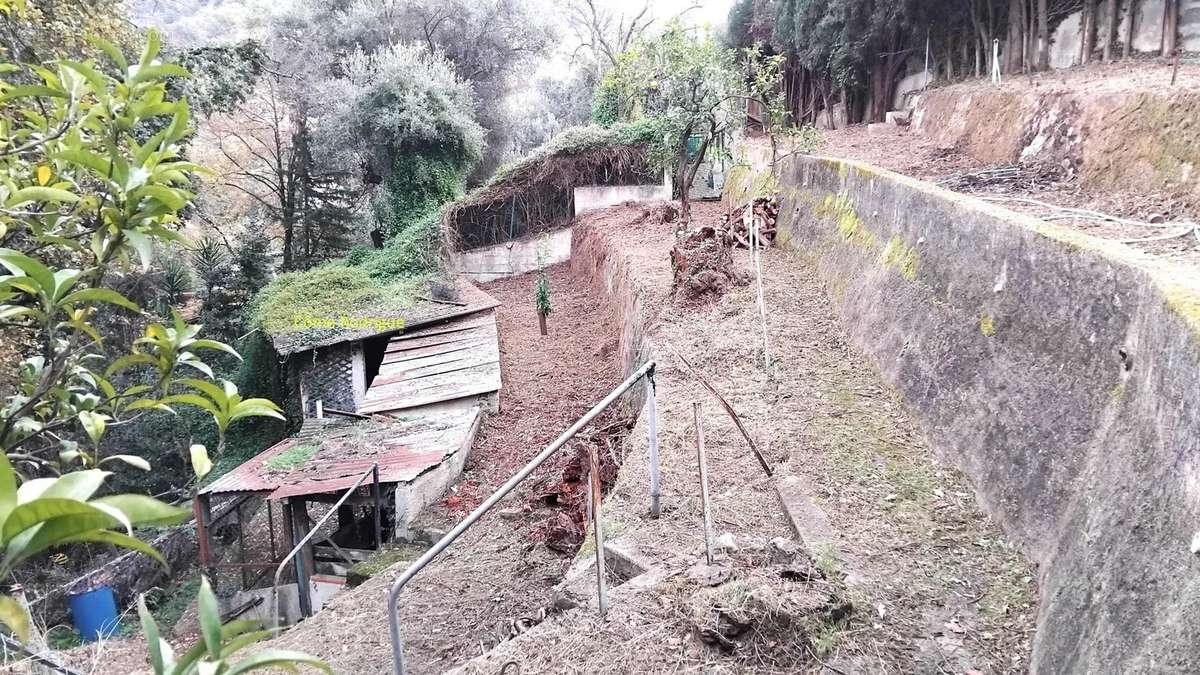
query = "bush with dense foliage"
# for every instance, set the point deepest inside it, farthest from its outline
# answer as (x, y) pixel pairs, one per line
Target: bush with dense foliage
(83, 198)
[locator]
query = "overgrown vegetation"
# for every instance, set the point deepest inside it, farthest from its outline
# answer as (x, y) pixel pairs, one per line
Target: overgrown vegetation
(535, 192)
(292, 457)
(85, 198)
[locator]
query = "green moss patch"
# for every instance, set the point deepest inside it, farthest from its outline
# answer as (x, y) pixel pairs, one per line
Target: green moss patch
(292, 457)
(987, 325)
(381, 561)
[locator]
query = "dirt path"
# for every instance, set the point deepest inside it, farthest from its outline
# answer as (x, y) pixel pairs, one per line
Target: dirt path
(500, 571)
(934, 585)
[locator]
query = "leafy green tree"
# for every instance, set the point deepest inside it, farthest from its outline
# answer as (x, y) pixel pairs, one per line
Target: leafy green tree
(83, 199)
(695, 87)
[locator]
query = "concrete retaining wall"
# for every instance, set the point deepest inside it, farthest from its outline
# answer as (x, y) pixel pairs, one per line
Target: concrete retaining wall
(1056, 370)
(594, 197)
(514, 257)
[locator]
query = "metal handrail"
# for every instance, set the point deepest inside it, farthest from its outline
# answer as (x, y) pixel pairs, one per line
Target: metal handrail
(394, 595)
(373, 471)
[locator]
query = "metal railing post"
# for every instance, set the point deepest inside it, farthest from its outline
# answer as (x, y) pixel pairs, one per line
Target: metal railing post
(449, 538)
(304, 540)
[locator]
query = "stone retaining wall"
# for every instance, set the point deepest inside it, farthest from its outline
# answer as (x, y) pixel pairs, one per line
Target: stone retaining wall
(1056, 370)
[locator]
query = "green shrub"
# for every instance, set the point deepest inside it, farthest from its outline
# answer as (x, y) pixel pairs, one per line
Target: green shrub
(410, 252)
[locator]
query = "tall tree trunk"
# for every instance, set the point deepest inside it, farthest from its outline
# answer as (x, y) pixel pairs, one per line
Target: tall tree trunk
(1016, 38)
(1088, 43)
(1131, 16)
(1110, 29)
(1043, 29)
(1170, 27)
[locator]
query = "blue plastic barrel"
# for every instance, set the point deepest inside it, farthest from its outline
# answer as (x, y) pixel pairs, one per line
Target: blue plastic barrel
(94, 612)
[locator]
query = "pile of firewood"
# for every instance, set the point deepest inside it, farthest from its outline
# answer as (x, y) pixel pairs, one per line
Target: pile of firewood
(734, 229)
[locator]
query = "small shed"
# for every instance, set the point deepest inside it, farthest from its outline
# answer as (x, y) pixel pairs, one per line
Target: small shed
(405, 358)
(417, 457)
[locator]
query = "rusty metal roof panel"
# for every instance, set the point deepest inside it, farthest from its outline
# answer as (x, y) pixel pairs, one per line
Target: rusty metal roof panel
(403, 447)
(358, 323)
(444, 362)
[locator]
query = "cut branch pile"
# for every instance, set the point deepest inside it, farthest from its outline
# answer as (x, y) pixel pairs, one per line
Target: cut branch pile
(1005, 178)
(734, 229)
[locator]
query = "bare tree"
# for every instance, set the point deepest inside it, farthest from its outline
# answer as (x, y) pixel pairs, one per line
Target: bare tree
(606, 33)
(1110, 29)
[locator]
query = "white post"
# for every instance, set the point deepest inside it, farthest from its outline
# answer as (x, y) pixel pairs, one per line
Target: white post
(708, 547)
(756, 257)
(652, 423)
(925, 84)
(598, 527)
(320, 409)
(995, 61)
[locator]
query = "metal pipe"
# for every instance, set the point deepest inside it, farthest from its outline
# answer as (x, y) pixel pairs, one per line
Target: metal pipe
(304, 540)
(445, 541)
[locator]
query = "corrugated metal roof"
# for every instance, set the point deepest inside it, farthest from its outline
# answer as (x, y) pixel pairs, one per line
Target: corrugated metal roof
(419, 313)
(403, 447)
(444, 362)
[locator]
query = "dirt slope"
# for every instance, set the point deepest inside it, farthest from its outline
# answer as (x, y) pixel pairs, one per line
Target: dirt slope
(933, 584)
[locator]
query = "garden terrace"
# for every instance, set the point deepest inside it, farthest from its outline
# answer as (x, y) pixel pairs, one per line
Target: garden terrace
(536, 193)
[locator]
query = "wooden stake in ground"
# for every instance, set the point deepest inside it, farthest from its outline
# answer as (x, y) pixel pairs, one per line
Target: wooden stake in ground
(703, 463)
(598, 528)
(737, 421)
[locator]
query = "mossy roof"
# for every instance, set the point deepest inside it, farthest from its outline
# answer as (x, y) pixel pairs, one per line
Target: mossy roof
(380, 318)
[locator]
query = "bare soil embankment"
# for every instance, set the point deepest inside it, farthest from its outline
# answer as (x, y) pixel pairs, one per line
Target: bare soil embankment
(907, 574)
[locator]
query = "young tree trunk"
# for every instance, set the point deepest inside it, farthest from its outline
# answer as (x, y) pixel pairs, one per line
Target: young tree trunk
(542, 323)
(1043, 29)
(1131, 16)
(1110, 29)
(1170, 27)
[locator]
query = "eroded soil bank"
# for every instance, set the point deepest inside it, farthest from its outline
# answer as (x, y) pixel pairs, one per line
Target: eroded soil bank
(932, 584)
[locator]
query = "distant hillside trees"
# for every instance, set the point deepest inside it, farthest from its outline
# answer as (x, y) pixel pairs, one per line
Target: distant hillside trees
(852, 53)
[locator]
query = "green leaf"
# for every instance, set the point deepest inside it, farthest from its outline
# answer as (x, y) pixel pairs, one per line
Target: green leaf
(123, 541)
(46, 509)
(13, 615)
(98, 81)
(86, 159)
(28, 90)
(153, 641)
(213, 344)
(94, 424)
(158, 72)
(8, 488)
(75, 485)
(128, 361)
(38, 193)
(277, 658)
(256, 407)
(146, 511)
(210, 619)
(101, 295)
(174, 198)
(131, 460)
(19, 263)
(143, 245)
(153, 42)
(111, 50)
(201, 464)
